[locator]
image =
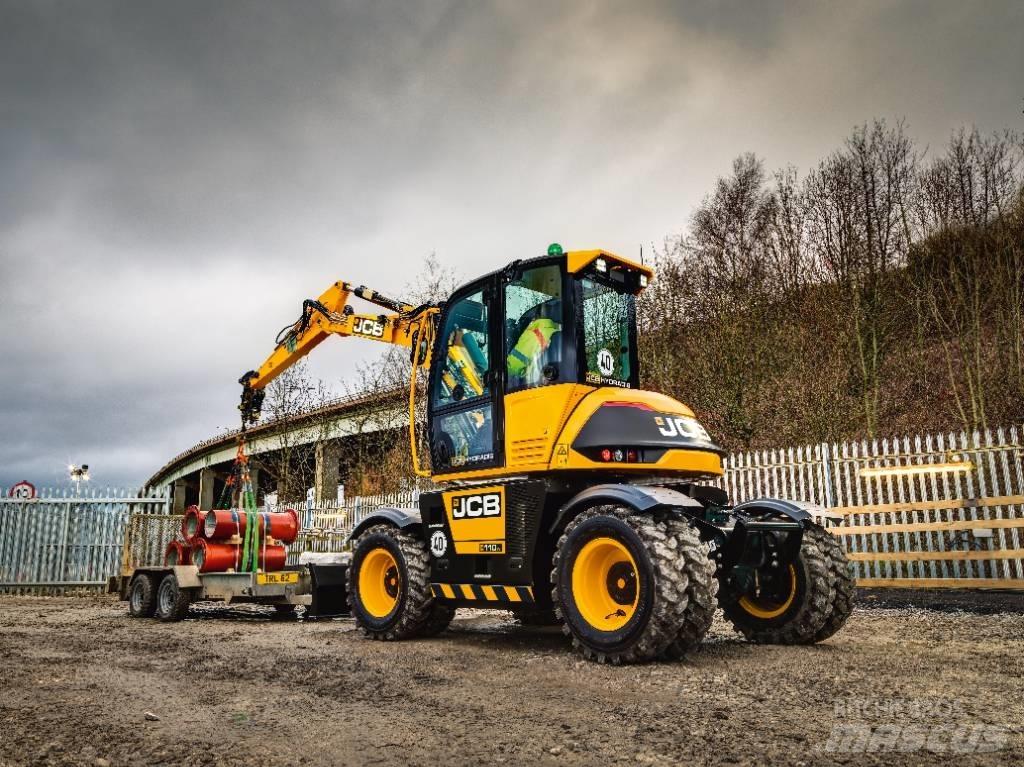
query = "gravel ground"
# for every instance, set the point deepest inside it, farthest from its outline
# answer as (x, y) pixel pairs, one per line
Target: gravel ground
(82, 683)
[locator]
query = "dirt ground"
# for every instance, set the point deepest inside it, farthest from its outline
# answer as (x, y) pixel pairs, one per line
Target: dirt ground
(234, 687)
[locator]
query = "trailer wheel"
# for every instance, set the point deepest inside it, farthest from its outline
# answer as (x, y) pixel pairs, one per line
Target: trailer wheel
(142, 597)
(389, 586)
(793, 603)
(620, 585)
(284, 611)
(171, 600)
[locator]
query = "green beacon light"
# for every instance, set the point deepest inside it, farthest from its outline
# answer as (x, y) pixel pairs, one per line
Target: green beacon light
(554, 249)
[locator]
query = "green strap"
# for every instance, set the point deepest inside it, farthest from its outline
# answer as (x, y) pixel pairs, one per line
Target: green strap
(250, 542)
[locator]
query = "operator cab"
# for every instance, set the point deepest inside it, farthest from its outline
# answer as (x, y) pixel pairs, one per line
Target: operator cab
(556, 326)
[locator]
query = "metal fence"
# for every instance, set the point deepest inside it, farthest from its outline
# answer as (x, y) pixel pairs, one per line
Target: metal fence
(936, 510)
(61, 541)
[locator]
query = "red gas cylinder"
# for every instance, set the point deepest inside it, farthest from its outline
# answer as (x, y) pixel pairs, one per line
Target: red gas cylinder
(192, 525)
(217, 557)
(222, 524)
(177, 553)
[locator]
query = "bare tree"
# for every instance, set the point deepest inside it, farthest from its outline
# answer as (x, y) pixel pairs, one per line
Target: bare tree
(859, 203)
(293, 426)
(377, 457)
(967, 270)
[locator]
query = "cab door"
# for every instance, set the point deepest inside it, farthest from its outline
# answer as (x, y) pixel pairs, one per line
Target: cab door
(464, 418)
(541, 381)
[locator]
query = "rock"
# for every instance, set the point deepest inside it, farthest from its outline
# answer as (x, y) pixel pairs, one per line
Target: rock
(556, 750)
(151, 717)
(100, 762)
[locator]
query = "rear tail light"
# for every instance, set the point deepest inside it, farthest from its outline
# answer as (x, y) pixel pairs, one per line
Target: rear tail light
(619, 455)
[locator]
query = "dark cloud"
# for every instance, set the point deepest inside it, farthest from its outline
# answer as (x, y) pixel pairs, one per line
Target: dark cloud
(175, 177)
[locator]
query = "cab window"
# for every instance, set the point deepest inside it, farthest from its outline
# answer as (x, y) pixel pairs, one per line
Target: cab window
(464, 345)
(466, 438)
(533, 328)
(607, 334)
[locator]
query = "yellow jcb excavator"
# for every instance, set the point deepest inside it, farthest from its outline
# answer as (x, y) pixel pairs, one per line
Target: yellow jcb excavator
(569, 495)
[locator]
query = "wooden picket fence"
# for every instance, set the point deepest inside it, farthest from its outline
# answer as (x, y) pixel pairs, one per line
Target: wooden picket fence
(932, 511)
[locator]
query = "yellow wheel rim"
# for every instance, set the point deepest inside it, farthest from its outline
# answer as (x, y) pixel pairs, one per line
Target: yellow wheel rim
(767, 608)
(379, 583)
(604, 584)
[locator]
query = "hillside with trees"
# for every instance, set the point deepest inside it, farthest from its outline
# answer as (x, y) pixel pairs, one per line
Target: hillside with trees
(880, 293)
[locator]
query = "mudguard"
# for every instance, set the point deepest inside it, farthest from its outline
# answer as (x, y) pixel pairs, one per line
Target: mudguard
(401, 518)
(798, 511)
(638, 497)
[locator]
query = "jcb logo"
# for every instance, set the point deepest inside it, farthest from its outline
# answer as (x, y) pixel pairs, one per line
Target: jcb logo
(368, 327)
(475, 506)
(680, 427)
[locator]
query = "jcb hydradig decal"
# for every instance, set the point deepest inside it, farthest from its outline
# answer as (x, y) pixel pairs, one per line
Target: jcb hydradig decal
(476, 519)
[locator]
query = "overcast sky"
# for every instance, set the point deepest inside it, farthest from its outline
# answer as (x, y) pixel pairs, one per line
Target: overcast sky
(176, 177)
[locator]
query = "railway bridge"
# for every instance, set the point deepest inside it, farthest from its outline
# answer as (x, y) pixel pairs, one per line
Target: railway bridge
(307, 448)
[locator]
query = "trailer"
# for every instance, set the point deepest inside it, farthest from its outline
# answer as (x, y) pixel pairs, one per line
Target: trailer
(317, 583)
(156, 587)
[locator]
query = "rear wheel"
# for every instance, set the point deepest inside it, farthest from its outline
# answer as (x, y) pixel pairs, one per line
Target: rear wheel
(171, 600)
(389, 586)
(785, 605)
(142, 597)
(618, 585)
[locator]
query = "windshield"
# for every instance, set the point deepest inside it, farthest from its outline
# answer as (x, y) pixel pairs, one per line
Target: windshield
(608, 334)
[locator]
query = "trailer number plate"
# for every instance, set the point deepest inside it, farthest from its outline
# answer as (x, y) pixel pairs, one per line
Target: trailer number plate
(277, 579)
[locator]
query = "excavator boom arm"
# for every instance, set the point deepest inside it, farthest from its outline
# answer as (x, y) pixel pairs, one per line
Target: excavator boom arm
(331, 314)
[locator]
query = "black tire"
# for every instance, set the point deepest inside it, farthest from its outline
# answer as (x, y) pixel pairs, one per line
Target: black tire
(538, 618)
(657, 587)
(142, 597)
(701, 589)
(843, 583)
(413, 611)
(809, 603)
(171, 600)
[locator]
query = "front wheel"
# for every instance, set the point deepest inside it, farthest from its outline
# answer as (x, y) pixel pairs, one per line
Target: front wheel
(389, 586)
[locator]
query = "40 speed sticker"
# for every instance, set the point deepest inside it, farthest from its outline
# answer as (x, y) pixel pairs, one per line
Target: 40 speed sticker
(438, 543)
